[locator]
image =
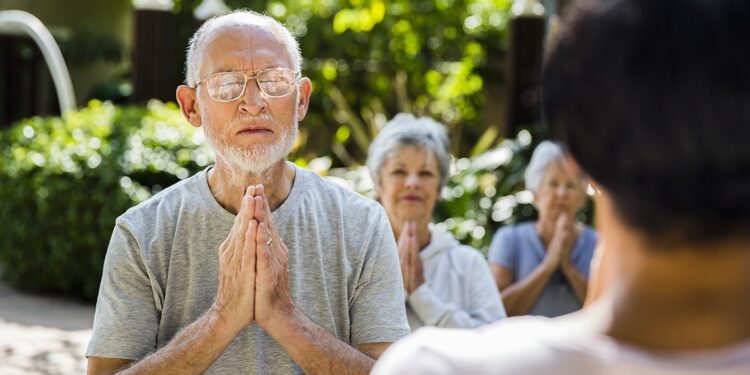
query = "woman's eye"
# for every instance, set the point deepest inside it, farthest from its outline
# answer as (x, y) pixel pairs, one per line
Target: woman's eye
(398, 172)
(425, 174)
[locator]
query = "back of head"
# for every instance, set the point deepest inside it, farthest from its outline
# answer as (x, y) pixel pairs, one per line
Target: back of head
(652, 99)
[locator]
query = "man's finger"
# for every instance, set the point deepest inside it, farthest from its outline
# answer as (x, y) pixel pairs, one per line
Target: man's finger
(244, 218)
(269, 222)
(263, 209)
(263, 255)
(237, 224)
(250, 248)
(263, 244)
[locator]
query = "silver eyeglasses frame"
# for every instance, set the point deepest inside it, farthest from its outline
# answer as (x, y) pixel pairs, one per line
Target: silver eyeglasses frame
(248, 76)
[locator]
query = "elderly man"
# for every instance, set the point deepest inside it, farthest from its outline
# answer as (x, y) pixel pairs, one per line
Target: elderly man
(306, 275)
(650, 98)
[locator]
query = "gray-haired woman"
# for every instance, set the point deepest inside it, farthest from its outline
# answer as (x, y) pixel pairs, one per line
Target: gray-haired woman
(446, 284)
(541, 267)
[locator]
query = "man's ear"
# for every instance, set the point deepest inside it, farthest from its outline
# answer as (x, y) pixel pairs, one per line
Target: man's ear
(303, 101)
(186, 97)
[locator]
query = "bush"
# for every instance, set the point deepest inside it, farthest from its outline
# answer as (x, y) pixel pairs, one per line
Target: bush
(65, 180)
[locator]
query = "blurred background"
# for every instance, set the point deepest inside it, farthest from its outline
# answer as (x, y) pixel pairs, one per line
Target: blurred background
(89, 127)
(75, 155)
(474, 65)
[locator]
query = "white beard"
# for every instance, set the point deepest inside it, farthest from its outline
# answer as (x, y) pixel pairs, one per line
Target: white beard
(253, 160)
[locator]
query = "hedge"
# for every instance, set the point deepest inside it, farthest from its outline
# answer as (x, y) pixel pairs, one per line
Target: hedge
(66, 179)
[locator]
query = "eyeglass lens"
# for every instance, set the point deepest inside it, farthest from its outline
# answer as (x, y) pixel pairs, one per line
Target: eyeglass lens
(230, 86)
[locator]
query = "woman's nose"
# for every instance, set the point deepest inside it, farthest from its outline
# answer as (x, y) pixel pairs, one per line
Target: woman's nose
(412, 180)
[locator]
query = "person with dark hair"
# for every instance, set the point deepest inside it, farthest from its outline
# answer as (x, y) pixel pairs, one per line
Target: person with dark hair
(651, 100)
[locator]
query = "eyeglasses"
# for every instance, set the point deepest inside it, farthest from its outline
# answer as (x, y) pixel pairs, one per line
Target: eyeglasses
(229, 86)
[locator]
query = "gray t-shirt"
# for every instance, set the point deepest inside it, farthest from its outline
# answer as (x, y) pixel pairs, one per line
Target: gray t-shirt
(161, 272)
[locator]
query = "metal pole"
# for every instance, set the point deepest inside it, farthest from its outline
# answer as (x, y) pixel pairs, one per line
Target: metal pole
(51, 52)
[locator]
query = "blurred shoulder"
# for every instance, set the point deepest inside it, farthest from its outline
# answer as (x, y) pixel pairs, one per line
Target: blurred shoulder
(522, 345)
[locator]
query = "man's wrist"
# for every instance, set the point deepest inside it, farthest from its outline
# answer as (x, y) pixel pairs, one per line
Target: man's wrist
(219, 322)
(285, 324)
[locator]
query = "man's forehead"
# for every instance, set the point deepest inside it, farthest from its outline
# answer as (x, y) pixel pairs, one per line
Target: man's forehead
(230, 42)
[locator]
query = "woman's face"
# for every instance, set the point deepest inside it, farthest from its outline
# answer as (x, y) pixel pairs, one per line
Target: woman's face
(559, 192)
(409, 181)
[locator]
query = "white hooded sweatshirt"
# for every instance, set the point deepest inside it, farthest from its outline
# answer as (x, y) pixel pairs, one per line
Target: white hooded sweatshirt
(459, 291)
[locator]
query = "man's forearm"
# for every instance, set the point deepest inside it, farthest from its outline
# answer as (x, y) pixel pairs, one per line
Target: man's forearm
(191, 351)
(317, 351)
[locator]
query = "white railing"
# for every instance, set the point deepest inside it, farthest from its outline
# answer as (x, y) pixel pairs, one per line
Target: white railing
(17, 20)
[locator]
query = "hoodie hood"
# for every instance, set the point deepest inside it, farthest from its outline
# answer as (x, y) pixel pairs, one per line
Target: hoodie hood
(440, 242)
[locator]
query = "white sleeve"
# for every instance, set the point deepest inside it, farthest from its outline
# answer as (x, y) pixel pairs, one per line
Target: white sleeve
(485, 304)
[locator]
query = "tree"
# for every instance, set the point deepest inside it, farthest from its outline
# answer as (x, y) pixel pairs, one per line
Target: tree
(370, 59)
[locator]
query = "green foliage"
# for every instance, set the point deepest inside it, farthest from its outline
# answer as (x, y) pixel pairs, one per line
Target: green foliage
(86, 46)
(370, 59)
(483, 193)
(65, 180)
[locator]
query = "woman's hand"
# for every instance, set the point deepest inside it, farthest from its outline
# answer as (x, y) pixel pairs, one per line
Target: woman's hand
(560, 248)
(411, 263)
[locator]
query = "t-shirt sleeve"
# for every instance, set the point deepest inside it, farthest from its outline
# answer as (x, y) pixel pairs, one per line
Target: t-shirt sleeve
(126, 319)
(501, 250)
(377, 312)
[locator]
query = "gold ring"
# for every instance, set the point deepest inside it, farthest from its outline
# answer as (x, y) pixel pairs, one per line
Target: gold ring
(270, 240)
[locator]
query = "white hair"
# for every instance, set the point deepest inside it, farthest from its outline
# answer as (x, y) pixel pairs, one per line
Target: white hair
(197, 44)
(544, 154)
(407, 130)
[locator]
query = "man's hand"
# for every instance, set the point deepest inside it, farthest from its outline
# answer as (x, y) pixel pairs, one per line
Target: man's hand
(235, 298)
(411, 263)
(272, 295)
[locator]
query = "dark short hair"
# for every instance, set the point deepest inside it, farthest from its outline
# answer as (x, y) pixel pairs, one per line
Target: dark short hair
(652, 99)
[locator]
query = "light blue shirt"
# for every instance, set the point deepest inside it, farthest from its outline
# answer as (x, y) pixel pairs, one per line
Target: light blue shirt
(519, 248)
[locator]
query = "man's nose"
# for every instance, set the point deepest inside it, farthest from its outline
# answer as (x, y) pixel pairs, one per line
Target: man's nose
(251, 100)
